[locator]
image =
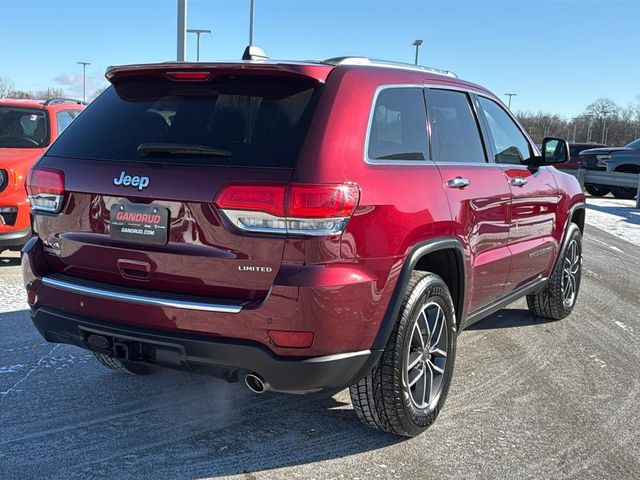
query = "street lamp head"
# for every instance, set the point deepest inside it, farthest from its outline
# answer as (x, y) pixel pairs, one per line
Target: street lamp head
(198, 30)
(417, 43)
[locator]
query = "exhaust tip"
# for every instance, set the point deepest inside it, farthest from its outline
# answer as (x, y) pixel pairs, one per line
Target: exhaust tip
(255, 383)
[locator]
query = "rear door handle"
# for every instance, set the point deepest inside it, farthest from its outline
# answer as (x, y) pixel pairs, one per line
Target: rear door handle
(518, 182)
(459, 182)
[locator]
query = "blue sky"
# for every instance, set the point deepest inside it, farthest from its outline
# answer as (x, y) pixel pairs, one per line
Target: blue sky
(558, 56)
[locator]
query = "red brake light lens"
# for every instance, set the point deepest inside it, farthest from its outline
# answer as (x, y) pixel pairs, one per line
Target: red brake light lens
(44, 180)
(255, 198)
(45, 188)
(189, 76)
(322, 201)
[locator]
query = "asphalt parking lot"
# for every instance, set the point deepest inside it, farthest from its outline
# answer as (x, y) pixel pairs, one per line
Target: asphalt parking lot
(529, 400)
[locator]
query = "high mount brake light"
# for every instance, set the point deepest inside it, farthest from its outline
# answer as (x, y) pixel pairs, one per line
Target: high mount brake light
(45, 188)
(188, 76)
(299, 209)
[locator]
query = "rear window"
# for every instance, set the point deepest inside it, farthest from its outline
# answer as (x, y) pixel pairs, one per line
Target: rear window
(260, 121)
(23, 128)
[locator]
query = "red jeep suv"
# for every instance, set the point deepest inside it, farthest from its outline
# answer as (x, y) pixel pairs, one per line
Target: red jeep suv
(26, 129)
(298, 226)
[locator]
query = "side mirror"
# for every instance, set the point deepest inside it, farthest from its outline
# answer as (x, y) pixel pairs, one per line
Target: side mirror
(554, 150)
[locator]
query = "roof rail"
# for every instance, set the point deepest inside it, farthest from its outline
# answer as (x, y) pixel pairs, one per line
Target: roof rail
(386, 64)
(54, 101)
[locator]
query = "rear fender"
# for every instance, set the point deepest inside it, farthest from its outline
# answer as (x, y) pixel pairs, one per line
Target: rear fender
(418, 252)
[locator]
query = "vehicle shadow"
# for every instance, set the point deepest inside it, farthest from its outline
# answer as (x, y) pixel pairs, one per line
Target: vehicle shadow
(629, 213)
(181, 424)
(507, 318)
(11, 260)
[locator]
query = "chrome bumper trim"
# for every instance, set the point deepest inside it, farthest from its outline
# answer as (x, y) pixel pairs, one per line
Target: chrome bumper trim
(139, 299)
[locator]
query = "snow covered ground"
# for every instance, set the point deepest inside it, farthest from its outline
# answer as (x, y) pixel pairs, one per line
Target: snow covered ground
(617, 217)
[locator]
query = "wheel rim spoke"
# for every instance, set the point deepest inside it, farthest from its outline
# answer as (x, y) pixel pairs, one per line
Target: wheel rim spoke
(437, 352)
(418, 376)
(417, 358)
(428, 382)
(436, 368)
(437, 328)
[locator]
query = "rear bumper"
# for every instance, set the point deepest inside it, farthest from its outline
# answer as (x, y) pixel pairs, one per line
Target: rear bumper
(342, 305)
(14, 239)
(198, 353)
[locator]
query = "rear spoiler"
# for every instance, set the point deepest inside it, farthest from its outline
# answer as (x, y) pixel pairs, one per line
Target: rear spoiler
(317, 72)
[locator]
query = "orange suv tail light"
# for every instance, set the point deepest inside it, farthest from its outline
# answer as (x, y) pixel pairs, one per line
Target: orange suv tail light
(45, 188)
(297, 209)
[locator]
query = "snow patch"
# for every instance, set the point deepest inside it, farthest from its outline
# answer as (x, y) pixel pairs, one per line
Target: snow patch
(11, 368)
(618, 217)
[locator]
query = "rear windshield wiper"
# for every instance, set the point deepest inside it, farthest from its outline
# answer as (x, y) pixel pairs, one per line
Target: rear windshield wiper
(145, 149)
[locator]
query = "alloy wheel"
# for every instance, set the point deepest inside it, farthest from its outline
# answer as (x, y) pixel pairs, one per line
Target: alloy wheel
(427, 356)
(570, 272)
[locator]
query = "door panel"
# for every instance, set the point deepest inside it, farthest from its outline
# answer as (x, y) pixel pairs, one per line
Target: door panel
(534, 208)
(480, 213)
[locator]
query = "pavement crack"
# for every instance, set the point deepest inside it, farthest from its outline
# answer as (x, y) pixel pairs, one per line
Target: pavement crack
(33, 369)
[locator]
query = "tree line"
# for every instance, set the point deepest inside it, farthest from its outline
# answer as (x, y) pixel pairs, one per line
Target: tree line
(603, 121)
(7, 90)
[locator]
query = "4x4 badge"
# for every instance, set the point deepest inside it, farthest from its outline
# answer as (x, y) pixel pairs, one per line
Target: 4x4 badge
(137, 181)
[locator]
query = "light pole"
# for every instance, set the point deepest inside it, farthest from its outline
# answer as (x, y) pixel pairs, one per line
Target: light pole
(84, 79)
(181, 42)
(575, 125)
(197, 31)
(510, 95)
(604, 127)
(589, 126)
(251, 23)
(417, 44)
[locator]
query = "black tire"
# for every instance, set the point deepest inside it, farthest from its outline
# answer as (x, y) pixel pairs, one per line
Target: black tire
(554, 301)
(597, 190)
(383, 399)
(624, 193)
(122, 366)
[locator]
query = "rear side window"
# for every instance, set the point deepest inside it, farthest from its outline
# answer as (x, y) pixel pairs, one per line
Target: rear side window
(510, 144)
(398, 129)
(257, 120)
(455, 136)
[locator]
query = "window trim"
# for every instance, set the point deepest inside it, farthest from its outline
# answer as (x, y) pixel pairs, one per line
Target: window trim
(373, 161)
(480, 119)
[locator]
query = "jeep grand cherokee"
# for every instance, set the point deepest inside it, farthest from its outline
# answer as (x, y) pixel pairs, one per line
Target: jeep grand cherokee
(298, 226)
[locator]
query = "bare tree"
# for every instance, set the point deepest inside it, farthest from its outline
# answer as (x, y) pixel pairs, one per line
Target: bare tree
(6, 86)
(24, 94)
(96, 93)
(49, 92)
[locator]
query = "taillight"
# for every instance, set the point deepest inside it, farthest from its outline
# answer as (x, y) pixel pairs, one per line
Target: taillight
(299, 209)
(45, 188)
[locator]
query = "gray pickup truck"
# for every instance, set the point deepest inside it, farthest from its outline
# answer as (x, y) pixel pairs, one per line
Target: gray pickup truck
(612, 159)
